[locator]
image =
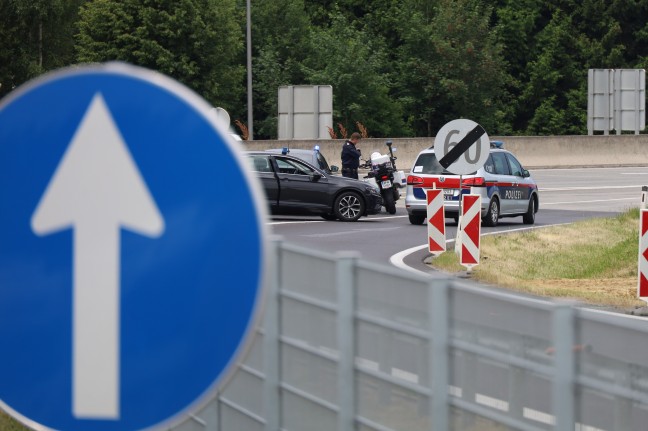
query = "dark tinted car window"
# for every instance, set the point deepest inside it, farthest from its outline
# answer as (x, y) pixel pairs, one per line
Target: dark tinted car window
(516, 167)
(260, 163)
(500, 163)
(288, 166)
(489, 166)
(427, 163)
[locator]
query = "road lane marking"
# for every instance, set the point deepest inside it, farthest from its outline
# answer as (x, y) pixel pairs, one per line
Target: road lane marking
(491, 402)
(571, 189)
(588, 202)
(326, 221)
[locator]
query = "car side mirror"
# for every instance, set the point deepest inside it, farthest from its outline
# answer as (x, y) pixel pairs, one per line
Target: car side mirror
(334, 168)
(525, 173)
(315, 177)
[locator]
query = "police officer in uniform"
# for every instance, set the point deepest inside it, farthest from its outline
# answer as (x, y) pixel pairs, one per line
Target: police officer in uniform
(351, 157)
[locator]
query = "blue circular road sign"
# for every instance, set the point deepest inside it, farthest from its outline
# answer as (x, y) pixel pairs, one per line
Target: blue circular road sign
(131, 250)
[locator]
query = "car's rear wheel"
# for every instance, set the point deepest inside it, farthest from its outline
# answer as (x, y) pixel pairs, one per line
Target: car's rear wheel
(329, 217)
(492, 216)
(529, 216)
(349, 206)
(416, 219)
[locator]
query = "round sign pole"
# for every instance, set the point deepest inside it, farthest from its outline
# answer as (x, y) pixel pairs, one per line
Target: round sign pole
(457, 248)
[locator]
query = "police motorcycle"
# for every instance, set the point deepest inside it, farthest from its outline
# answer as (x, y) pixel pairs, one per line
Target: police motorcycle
(384, 176)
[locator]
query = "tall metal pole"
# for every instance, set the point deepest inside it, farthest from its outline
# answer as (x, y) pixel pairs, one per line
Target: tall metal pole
(249, 73)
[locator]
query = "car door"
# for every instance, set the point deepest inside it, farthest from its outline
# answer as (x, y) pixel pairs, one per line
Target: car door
(521, 185)
(503, 180)
(262, 168)
(302, 188)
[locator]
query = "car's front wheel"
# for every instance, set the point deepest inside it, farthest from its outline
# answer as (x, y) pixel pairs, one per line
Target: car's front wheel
(492, 216)
(349, 206)
(529, 216)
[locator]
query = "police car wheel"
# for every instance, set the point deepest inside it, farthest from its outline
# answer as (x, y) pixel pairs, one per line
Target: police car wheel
(529, 216)
(416, 219)
(492, 216)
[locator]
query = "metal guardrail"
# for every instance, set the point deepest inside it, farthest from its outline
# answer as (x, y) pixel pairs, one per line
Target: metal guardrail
(352, 345)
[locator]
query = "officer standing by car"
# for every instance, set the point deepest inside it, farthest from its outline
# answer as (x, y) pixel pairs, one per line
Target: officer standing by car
(351, 157)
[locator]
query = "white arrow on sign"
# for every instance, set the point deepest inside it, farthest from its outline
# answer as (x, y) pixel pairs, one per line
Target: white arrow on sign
(96, 190)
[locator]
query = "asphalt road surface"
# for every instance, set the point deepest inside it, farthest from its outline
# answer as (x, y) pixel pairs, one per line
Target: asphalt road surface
(566, 195)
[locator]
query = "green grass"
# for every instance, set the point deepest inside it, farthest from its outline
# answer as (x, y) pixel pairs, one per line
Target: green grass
(7, 423)
(593, 261)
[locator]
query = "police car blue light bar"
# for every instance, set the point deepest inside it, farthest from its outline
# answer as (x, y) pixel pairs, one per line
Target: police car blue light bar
(285, 150)
(496, 144)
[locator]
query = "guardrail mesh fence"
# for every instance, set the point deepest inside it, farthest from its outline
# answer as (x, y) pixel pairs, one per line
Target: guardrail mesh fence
(351, 345)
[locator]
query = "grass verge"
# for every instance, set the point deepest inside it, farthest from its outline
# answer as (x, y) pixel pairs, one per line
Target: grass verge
(592, 261)
(7, 423)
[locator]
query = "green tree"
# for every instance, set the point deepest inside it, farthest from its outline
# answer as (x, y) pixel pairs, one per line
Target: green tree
(355, 63)
(35, 36)
(555, 93)
(197, 42)
(452, 66)
(277, 57)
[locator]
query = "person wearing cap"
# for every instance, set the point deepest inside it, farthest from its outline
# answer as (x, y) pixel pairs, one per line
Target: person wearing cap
(351, 156)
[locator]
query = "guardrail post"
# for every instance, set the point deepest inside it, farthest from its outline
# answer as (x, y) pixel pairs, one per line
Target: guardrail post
(345, 282)
(271, 348)
(438, 358)
(564, 390)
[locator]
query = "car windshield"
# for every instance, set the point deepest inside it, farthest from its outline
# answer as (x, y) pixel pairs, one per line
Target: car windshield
(427, 163)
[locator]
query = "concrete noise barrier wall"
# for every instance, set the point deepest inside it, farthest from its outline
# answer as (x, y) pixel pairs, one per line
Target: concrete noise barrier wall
(533, 151)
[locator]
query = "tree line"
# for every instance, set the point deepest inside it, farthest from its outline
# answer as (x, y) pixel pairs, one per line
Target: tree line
(399, 68)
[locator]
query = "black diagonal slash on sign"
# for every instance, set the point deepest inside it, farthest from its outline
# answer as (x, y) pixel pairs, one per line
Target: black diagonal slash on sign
(473, 136)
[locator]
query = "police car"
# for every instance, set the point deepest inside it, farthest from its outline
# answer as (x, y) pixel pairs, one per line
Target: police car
(506, 188)
(314, 157)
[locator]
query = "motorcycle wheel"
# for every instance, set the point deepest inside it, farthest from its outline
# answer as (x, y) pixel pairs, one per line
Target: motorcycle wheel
(388, 200)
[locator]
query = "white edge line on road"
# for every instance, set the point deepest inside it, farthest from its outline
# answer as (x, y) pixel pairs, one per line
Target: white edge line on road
(324, 221)
(587, 202)
(568, 189)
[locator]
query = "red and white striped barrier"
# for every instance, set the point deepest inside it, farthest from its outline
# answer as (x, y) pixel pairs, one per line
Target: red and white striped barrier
(470, 230)
(642, 286)
(435, 221)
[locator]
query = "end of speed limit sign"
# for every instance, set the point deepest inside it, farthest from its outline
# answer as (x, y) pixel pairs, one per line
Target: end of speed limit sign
(462, 146)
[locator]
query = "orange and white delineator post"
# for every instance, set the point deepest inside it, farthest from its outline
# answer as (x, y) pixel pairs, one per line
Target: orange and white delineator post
(470, 230)
(435, 221)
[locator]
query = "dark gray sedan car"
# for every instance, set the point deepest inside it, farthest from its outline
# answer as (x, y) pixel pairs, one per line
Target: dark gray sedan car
(293, 186)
